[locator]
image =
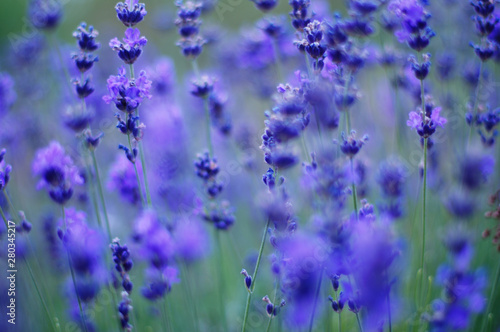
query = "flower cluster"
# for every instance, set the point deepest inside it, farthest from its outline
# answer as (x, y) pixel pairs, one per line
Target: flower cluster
(462, 288)
(57, 172)
(426, 123)
(130, 12)
(5, 170)
(188, 22)
(391, 179)
(485, 24)
(486, 122)
(85, 59)
(123, 264)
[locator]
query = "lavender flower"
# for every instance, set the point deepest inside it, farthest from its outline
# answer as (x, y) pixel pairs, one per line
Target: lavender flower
(8, 95)
(127, 94)
(5, 170)
(83, 243)
(426, 124)
(191, 44)
(122, 179)
(131, 48)
(44, 14)
(123, 263)
(130, 12)
(56, 171)
(462, 288)
(159, 282)
(350, 145)
(474, 170)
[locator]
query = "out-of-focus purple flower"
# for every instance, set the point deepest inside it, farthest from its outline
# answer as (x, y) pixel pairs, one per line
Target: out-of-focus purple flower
(299, 13)
(155, 243)
(463, 288)
(426, 125)
(44, 14)
(265, 5)
(5, 170)
(191, 241)
(188, 24)
(159, 282)
(131, 48)
(130, 12)
(391, 179)
(127, 94)
(301, 273)
(162, 75)
(8, 95)
(85, 245)
(56, 171)
(122, 179)
(350, 146)
(460, 205)
(374, 252)
(413, 19)
(474, 170)
(220, 215)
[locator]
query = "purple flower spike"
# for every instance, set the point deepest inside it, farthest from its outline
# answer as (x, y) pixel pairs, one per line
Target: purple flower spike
(127, 94)
(130, 12)
(131, 48)
(56, 171)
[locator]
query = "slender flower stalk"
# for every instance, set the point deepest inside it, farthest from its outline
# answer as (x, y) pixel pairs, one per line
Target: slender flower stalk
(491, 298)
(254, 276)
(424, 190)
(70, 263)
(315, 302)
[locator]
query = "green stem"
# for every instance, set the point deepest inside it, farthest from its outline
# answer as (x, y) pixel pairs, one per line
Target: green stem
(141, 153)
(277, 59)
(254, 276)
(101, 193)
(208, 126)
(354, 192)
(221, 280)
(135, 168)
(93, 195)
(491, 298)
(318, 288)
(359, 323)
(190, 298)
(82, 315)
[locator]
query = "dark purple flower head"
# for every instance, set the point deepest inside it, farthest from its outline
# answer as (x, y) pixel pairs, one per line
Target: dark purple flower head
(44, 14)
(84, 61)
(189, 10)
(122, 179)
(84, 244)
(391, 179)
(220, 215)
(364, 7)
(203, 86)
(130, 12)
(483, 8)
(191, 47)
(299, 13)
(207, 169)
(56, 171)
(460, 205)
(474, 170)
(421, 70)
(83, 89)
(131, 48)
(159, 282)
(8, 95)
(350, 146)
(485, 51)
(154, 240)
(86, 37)
(265, 5)
(413, 18)
(426, 124)
(77, 118)
(5, 170)
(127, 94)
(272, 26)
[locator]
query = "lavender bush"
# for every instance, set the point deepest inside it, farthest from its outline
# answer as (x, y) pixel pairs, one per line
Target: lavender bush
(262, 165)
